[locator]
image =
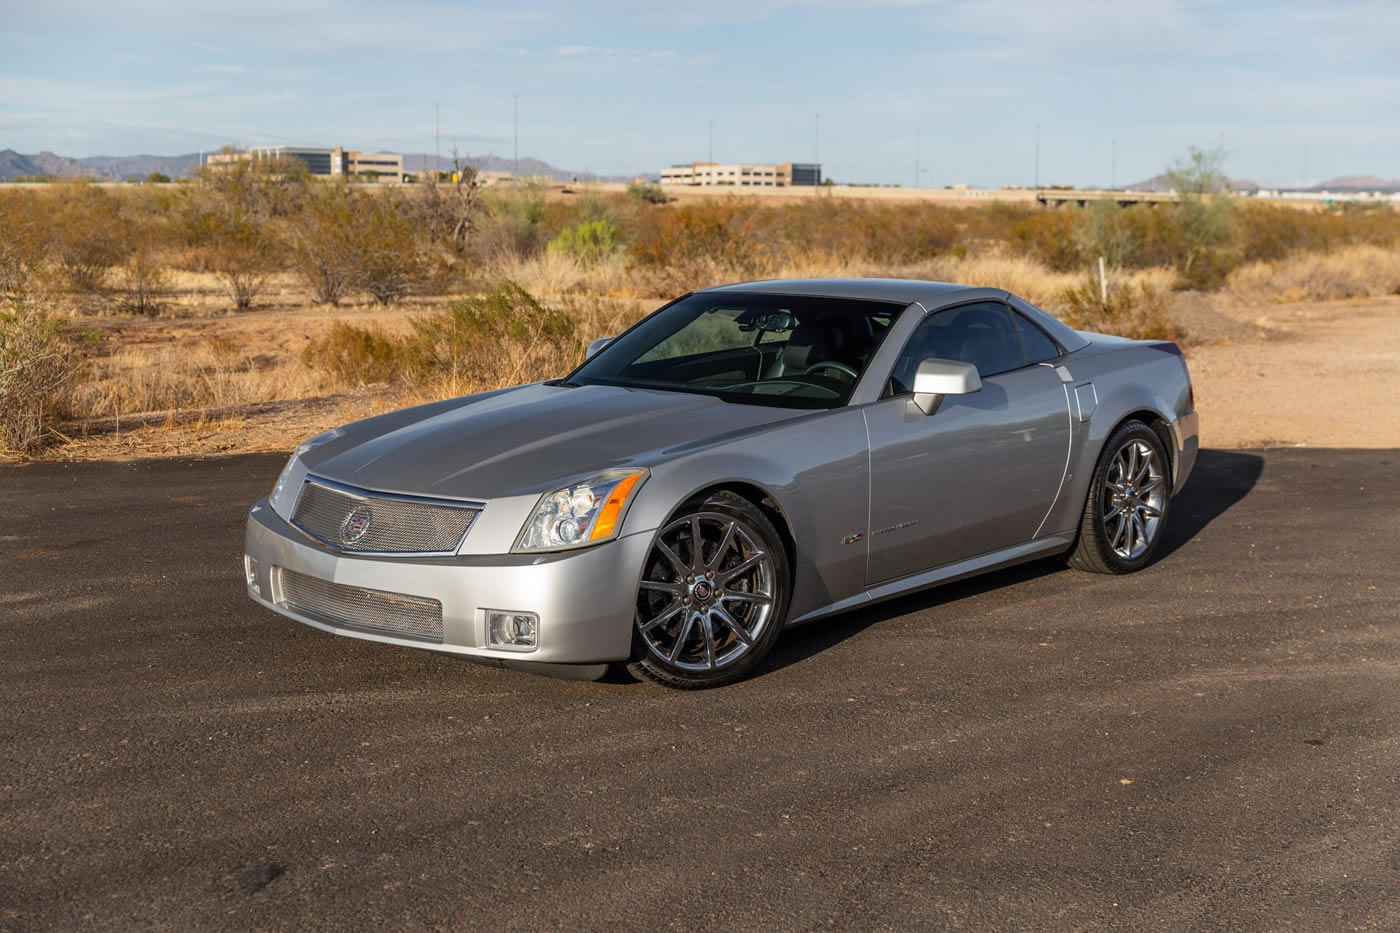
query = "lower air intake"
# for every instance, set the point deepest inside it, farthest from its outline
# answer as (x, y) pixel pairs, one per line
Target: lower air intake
(357, 606)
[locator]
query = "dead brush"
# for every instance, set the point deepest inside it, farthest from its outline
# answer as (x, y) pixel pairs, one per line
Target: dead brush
(1134, 309)
(1362, 271)
(39, 361)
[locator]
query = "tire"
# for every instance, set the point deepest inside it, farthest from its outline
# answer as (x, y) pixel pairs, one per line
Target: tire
(1125, 516)
(707, 617)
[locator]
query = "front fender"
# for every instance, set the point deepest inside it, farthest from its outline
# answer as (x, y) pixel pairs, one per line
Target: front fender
(817, 471)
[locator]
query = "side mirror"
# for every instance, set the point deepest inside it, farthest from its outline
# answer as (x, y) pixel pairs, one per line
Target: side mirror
(936, 378)
(595, 346)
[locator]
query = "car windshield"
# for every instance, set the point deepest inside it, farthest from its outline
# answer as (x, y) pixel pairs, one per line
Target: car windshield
(784, 350)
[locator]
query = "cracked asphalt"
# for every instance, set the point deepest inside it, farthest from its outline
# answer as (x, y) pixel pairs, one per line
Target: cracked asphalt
(1211, 743)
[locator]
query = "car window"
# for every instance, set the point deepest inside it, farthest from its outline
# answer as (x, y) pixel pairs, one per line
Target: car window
(980, 333)
(1037, 345)
(799, 351)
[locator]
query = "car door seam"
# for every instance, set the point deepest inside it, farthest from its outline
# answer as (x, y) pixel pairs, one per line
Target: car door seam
(869, 495)
(1069, 450)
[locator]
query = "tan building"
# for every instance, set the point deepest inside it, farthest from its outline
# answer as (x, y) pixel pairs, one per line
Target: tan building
(784, 175)
(336, 162)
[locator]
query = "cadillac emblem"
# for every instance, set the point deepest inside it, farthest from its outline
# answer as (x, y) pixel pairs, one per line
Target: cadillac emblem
(355, 526)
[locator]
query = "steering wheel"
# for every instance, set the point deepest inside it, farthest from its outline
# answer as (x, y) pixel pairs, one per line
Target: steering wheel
(832, 364)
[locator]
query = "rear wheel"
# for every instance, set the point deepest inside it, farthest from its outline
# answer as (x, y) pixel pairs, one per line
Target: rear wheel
(713, 595)
(1129, 497)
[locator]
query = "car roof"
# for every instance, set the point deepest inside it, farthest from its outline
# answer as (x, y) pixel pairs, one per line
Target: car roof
(906, 291)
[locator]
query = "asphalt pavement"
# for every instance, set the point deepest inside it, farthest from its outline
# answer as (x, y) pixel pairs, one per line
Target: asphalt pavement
(1211, 743)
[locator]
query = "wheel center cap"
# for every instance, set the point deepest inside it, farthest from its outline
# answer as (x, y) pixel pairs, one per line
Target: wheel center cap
(703, 590)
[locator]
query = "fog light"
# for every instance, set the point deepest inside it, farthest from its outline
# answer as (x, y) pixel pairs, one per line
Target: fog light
(515, 631)
(250, 573)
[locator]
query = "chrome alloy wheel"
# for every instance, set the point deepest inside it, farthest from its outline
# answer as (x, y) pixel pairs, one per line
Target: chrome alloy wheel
(707, 592)
(1134, 498)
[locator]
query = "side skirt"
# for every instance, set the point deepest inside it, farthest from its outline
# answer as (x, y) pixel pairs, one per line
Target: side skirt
(959, 570)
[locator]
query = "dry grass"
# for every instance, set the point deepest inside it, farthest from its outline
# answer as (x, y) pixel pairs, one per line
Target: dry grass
(1350, 272)
(209, 375)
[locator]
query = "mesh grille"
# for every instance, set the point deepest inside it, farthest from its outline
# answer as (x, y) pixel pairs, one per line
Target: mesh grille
(365, 608)
(395, 526)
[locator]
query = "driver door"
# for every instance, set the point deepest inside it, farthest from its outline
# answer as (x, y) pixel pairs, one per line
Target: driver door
(982, 472)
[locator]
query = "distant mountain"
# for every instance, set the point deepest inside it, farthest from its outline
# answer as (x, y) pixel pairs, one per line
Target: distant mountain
(108, 168)
(140, 166)
(1358, 183)
(419, 161)
(14, 165)
(1160, 183)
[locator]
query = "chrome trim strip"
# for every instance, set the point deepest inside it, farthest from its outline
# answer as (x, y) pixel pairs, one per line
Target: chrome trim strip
(362, 493)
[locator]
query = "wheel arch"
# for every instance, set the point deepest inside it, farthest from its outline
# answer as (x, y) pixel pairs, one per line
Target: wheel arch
(1160, 426)
(761, 499)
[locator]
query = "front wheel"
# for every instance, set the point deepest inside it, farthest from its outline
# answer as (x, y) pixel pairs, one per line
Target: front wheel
(713, 595)
(1129, 496)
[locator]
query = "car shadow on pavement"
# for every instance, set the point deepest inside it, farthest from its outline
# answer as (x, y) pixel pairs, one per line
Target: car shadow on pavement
(1221, 478)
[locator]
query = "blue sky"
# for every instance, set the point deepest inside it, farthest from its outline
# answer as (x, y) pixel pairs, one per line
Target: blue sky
(626, 85)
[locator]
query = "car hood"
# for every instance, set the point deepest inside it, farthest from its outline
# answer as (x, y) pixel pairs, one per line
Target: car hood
(530, 439)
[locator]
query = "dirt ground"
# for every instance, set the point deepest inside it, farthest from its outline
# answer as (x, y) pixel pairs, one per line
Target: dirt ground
(1300, 375)
(1321, 374)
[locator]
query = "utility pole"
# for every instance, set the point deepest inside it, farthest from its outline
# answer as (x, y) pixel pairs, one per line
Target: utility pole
(712, 142)
(515, 169)
(1037, 155)
(1113, 166)
(437, 139)
(816, 152)
(916, 156)
(1305, 166)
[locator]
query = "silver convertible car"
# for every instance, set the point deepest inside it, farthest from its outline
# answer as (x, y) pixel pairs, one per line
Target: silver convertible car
(744, 459)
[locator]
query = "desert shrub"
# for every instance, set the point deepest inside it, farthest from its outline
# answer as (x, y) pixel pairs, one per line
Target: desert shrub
(1137, 310)
(243, 254)
(449, 209)
(88, 235)
(1203, 211)
(384, 247)
(1051, 238)
(358, 356)
(323, 243)
(262, 189)
(22, 241)
(648, 194)
(1350, 272)
(38, 363)
(588, 242)
(497, 339)
(145, 279)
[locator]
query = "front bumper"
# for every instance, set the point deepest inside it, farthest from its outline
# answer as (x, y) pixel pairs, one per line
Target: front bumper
(584, 598)
(1186, 439)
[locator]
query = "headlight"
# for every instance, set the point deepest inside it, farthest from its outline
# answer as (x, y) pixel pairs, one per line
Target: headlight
(581, 514)
(279, 491)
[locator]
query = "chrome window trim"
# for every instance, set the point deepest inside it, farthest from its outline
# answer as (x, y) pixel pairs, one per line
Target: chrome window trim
(369, 494)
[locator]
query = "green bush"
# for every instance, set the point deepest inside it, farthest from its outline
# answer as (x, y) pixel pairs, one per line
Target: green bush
(648, 193)
(588, 242)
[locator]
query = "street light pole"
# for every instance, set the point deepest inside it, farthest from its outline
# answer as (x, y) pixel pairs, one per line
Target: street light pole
(1037, 155)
